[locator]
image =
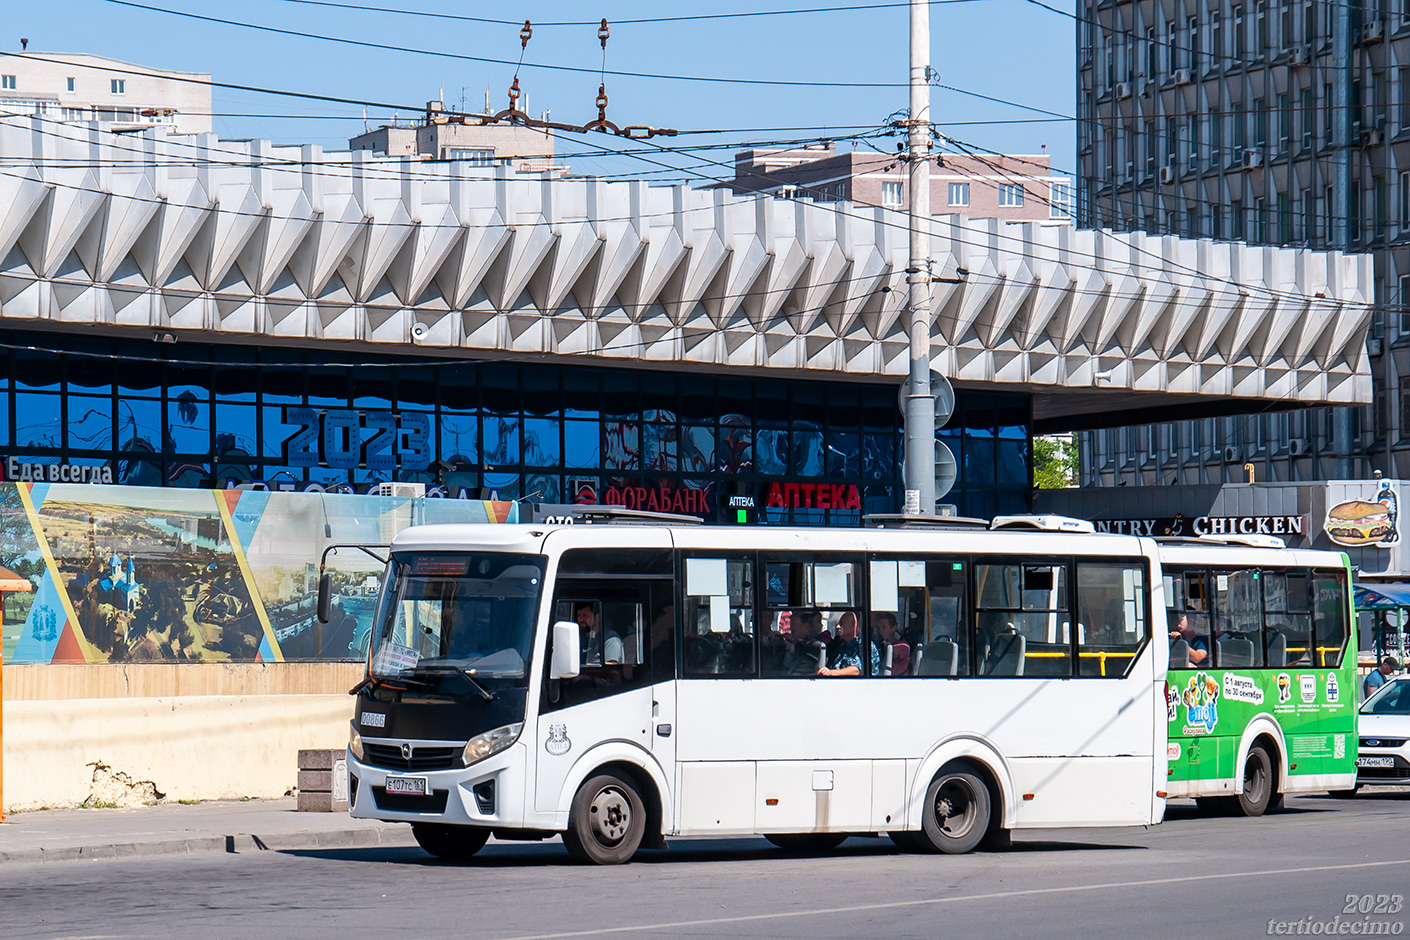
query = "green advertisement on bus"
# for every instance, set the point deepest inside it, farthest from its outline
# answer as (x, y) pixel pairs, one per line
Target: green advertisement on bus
(1209, 710)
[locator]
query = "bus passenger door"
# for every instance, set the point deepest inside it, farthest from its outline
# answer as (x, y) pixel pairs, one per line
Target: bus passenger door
(621, 600)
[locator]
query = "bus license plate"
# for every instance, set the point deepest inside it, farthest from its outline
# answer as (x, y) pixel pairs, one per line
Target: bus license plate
(408, 786)
(1375, 762)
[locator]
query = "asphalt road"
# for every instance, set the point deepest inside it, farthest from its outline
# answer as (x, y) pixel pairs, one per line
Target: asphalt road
(1189, 878)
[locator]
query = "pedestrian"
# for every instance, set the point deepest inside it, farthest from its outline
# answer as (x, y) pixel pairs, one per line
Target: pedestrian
(1377, 677)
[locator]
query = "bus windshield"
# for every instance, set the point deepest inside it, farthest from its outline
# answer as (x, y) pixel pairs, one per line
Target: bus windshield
(465, 612)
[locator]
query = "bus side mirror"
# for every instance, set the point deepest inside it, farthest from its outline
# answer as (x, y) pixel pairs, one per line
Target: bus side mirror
(325, 592)
(567, 651)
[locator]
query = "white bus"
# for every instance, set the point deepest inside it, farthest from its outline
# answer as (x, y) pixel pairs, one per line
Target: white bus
(619, 684)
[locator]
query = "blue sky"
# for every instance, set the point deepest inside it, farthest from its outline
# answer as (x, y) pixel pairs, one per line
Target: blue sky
(1007, 49)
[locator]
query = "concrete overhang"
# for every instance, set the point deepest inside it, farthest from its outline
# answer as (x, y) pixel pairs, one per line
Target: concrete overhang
(246, 242)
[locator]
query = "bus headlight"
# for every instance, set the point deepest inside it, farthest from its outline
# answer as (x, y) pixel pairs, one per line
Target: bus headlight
(354, 741)
(491, 742)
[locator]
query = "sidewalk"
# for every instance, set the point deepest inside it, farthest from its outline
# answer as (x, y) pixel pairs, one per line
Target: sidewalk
(173, 829)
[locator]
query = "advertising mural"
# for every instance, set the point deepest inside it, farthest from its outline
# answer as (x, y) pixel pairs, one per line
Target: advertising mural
(147, 574)
(1364, 514)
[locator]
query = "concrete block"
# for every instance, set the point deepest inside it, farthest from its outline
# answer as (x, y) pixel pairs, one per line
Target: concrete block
(321, 803)
(318, 758)
(315, 781)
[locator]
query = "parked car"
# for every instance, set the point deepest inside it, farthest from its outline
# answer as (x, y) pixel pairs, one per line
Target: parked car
(1383, 758)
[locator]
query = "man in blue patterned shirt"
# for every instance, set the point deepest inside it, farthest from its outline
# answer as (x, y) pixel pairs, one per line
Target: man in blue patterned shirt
(844, 653)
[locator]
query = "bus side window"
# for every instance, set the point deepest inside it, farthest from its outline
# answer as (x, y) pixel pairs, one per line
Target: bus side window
(1296, 622)
(916, 615)
(1329, 617)
(624, 605)
(1112, 599)
(1238, 632)
(1024, 626)
(719, 637)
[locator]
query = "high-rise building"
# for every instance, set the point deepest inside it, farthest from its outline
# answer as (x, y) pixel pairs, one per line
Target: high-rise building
(1278, 122)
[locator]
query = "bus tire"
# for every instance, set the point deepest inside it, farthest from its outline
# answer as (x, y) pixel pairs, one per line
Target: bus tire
(452, 843)
(807, 843)
(1258, 787)
(956, 812)
(607, 821)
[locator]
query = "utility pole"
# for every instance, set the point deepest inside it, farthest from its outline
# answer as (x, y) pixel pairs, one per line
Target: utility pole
(920, 405)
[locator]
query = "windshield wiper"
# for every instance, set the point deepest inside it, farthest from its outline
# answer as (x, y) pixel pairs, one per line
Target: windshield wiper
(466, 674)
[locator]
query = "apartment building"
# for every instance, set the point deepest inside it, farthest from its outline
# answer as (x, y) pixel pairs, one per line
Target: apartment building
(79, 87)
(1014, 188)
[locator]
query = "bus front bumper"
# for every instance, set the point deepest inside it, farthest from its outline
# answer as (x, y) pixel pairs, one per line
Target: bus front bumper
(489, 793)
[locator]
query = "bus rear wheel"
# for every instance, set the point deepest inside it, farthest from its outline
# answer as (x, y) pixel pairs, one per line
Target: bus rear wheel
(956, 812)
(1258, 782)
(453, 843)
(607, 821)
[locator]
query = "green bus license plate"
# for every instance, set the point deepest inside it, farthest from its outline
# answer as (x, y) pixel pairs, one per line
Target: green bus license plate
(408, 786)
(1375, 762)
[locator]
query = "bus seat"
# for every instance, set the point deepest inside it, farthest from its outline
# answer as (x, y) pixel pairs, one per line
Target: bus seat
(917, 657)
(1277, 648)
(1006, 655)
(1235, 651)
(942, 658)
(1179, 654)
(886, 658)
(701, 655)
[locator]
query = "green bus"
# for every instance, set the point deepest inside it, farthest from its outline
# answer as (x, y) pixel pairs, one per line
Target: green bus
(1261, 690)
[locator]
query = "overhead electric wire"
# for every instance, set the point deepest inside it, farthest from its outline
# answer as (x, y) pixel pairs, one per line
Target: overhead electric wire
(630, 21)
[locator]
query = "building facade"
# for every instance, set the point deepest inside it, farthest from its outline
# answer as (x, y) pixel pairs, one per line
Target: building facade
(442, 136)
(78, 87)
(1009, 188)
(291, 320)
(1277, 123)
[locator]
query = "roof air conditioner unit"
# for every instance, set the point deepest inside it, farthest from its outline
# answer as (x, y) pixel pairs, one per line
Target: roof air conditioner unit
(1253, 158)
(1372, 137)
(1232, 455)
(1373, 31)
(1297, 447)
(1183, 76)
(1123, 89)
(1167, 174)
(402, 490)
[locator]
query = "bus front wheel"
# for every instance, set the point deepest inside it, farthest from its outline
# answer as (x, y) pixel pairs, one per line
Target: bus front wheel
(607, 821)
(1258, 782)
(956, 812)
(453, 843)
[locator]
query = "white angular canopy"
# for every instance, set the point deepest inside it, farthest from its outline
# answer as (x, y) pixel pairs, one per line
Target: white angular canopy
(243, 241)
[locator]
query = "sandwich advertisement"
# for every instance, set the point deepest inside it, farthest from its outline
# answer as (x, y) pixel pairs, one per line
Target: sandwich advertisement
(1362, 515)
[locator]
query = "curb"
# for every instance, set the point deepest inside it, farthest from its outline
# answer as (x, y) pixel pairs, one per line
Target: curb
(209, 845)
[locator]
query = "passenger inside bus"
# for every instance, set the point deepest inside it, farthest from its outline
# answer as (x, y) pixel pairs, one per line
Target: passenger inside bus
(888, 633)
(844, 652)
(1196, 644)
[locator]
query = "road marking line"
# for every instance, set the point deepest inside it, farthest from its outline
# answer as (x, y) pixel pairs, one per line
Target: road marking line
(919, 902)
